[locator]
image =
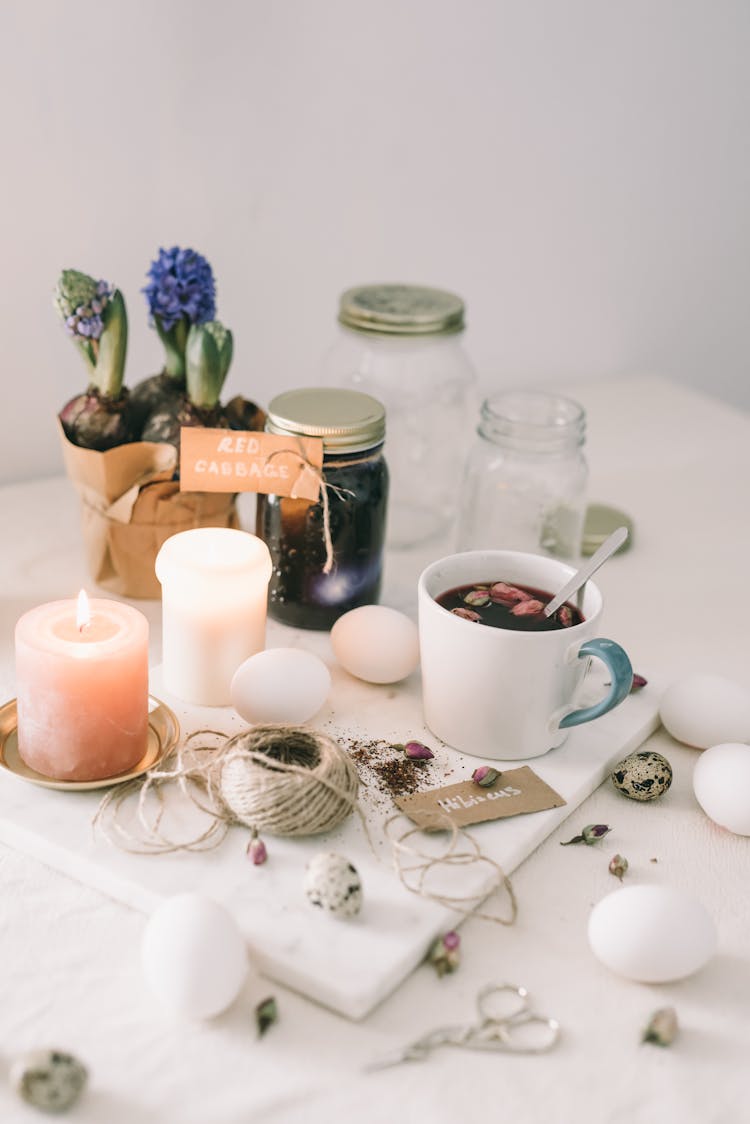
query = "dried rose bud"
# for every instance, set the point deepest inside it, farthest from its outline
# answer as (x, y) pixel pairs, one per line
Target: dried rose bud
(444, 954)
(530, 608)
(565, 616)
(466, 614)
(477, 597)
(256, 850)
(595, 831)
(485, 776)
(617, 866)
(505, 594)
(418, 752)
(662, 1027)
(638, 683)
(590, 834)
(266, 1014)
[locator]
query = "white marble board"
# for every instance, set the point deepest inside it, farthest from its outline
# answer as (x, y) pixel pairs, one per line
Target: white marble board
(349, 966)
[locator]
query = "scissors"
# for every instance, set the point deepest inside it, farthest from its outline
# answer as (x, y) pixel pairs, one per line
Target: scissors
(506, 1023)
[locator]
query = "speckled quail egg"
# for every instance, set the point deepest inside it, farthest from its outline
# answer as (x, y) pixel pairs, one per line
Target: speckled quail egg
(333, 884)
(642, 776)
(50, 1080)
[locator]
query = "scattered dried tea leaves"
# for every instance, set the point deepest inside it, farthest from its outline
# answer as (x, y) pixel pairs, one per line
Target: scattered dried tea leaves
(386, 771)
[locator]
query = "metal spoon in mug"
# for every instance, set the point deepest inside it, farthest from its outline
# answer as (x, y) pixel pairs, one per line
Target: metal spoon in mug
(579, 579)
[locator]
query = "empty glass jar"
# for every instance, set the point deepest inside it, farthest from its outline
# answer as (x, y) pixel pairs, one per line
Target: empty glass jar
(402, 344)
(525, 482)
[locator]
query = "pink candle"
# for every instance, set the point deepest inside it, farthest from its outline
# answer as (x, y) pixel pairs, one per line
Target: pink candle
(82, 689)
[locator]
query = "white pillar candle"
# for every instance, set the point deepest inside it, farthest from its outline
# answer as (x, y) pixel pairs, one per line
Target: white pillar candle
(214, 590)
(82, 689)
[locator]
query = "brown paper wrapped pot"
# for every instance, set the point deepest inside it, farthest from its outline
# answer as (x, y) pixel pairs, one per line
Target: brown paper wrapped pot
(130, 505)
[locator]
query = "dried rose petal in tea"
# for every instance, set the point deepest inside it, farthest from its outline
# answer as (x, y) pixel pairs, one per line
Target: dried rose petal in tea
(467, 614)
(502, 605)
(530, 608)
(506, 594)
(477, 597)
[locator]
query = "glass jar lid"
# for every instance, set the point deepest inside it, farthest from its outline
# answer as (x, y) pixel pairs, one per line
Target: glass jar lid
(348, 421)
(401, 310)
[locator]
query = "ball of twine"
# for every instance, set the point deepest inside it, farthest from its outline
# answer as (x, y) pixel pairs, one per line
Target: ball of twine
(287, 780)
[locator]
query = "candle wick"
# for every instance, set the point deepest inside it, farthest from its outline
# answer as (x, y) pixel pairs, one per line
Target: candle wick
(84, 625)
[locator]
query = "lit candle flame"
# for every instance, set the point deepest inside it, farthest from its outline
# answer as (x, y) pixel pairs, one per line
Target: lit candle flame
(83, 611)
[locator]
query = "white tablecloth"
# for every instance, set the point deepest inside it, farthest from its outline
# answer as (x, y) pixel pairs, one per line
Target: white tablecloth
(679, 464)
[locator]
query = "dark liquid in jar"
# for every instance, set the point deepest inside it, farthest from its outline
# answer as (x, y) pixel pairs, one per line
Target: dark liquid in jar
(504, 606)
(299, 593)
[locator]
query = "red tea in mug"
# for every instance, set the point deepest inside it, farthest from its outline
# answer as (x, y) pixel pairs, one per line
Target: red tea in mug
(503, 605)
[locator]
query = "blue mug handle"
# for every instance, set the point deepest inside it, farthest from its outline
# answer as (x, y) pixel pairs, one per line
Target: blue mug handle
(621, 672)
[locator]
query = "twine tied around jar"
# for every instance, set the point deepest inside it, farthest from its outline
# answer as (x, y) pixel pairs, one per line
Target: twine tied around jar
(310, 470)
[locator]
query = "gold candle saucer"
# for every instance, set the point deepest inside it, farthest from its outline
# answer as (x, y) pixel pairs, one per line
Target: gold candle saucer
(163, 735)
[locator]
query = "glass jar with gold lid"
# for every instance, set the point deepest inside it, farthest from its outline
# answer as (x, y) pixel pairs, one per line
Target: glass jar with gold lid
(328, 554)
(402, 344)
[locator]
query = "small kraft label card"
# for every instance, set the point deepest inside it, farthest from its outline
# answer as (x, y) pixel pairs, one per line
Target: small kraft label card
(513, 793)
(232, 460)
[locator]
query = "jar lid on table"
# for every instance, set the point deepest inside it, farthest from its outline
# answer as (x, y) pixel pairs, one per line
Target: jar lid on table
(348, 421)
(401, 310)
(601, 520)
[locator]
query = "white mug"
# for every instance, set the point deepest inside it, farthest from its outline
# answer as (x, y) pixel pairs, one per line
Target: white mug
(502, 694)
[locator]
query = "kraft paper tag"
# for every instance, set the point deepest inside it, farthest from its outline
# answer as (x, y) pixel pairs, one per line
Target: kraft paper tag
(515, 792)
(232, 460)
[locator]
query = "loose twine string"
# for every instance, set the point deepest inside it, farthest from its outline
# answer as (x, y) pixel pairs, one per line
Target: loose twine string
(287, 781)
(414, 867)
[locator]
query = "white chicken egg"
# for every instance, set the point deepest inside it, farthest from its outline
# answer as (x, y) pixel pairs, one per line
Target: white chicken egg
(194, 956)
(702, 710)
(375, 643)
(721, 782)
(280, 685)
(653, 934)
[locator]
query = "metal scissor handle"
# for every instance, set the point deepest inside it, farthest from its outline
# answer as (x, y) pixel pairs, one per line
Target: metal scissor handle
(511, 1027)
(507, 1022)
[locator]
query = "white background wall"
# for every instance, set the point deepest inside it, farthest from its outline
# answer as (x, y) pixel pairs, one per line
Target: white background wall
(579, 170)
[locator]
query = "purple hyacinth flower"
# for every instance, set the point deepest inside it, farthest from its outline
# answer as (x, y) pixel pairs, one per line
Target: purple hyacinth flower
(180, 286)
